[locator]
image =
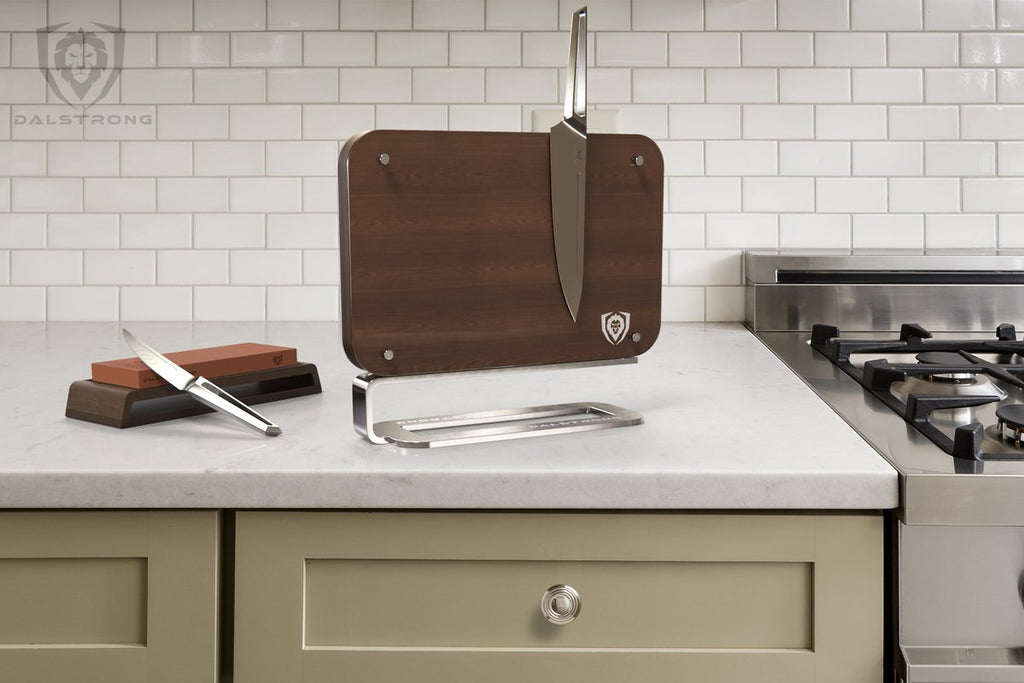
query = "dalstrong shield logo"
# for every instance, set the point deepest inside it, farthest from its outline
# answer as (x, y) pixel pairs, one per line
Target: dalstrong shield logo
(615, 325)
(80, 66)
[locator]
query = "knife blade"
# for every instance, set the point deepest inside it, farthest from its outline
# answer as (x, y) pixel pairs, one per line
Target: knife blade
(200, 388)
(568, 145)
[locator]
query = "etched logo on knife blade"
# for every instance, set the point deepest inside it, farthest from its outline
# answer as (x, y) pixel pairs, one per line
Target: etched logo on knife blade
(615, 325)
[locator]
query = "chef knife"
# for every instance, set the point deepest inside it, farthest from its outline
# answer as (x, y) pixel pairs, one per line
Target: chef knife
(202, 389)
(568, 144)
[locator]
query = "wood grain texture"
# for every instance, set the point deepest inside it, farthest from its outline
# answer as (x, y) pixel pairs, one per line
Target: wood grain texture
(448, 259)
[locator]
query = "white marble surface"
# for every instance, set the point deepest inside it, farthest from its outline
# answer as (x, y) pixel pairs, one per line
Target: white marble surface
(727, 426)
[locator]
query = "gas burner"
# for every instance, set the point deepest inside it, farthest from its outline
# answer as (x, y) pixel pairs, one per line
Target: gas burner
(947, 358)
(1011, 422)
(965, 384)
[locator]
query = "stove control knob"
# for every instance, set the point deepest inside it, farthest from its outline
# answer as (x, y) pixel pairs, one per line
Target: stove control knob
(560, 604)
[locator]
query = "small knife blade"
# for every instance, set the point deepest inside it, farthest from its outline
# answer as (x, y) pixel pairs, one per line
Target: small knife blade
(568, 149)
(202, 389)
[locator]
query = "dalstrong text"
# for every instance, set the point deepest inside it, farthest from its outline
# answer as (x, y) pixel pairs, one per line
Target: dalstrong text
(79, 119)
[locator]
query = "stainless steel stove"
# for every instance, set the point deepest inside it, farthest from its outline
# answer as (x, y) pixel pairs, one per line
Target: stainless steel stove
(918, 352)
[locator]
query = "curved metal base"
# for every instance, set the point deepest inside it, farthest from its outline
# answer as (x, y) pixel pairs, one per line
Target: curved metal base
(480, 427)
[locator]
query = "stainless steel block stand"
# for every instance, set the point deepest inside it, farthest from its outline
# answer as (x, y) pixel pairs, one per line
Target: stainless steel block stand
(479, 427)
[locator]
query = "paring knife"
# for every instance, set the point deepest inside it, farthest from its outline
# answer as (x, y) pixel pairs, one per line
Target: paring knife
(568, 143)
(202, 389)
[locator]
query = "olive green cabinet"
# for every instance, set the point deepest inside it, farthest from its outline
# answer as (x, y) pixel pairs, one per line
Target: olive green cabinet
(456, 597)
(108, 597)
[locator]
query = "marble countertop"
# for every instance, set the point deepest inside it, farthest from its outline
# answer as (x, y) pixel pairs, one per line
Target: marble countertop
(727, 426)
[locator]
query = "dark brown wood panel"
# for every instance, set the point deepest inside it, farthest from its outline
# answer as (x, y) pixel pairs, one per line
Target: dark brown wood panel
(448, 258)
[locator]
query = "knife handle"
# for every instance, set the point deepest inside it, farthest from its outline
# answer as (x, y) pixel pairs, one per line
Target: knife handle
(212, 395)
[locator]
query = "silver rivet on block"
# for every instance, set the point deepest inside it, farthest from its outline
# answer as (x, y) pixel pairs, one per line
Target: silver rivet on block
(635, 336)
(638, 160)
(384, 158)
(389, 354)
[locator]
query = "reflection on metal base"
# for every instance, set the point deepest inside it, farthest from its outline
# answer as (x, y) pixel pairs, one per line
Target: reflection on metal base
(961, 664)
(479, 427)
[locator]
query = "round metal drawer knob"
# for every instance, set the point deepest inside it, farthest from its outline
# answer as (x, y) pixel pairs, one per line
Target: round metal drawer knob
(560, 604)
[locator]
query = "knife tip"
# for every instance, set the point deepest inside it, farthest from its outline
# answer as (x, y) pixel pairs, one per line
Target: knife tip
(273, 431)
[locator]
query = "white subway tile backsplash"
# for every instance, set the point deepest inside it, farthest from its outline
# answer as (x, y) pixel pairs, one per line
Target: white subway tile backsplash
(776, 49)
(339, 48)
(1011, 232)
(850, 195)
(193, 49)
(1010, 86)
(266, 122)
(814, 15)
(217, 304)
(667, 15)
(682, 304)
(923, 123)
(156, 15)
(335, 121)
(999, 122)
(46, 267)
(873, 86)
(143, 158)
(612, 86)
(412, 116)
(724, 304)
(888, 158)
(319, 194)
(22, 86)
(850, 122)
(265, 195)
(24, 50)
(239, 158)
(959, 85)
(22, 304)
(742, 158)
(192, 122)
(303, 158)
(266, 267)
(683, 231)
(179, 195)
(705, 267)
(923, 49)
(230, 231)
(5, 50)
(485, 48)
(778, 194)
(119, 267)
(5, 122)
(682, 157)
(812, 158)
(5, 194)
(888, 231)
(376, 85)
(82, 158)
(993, 195)
(781, 122)
(453, 15)
(814, 231)
(156, 231)
(742, 85)
(23, 15)
(886, 15)
(602, 15)
(666, 85)
(631, 49)
(1009, 14)
(521, 85)
(992, 49)
(146, 304)
(139, 50)
(82, 231)
(962, 231)
(960, 158)
(376, 15)
(192, 267)
(704, 195)
(266, 49)
(230, 86)
(302, 14)
(522, 15)
(920, 195)
(814, 85)
(230, 15)
(644, 119)
(46, 195)
(742, 231)
(302, 303)
(499, 117)
(23, 230)
(698, 49)
(1011, 158)
(302, 231)
(704, 121)
(302, 85)
(22, 158)
(120, 195)
(456, 85)
(849, 49)
(320, 267)
(81, 304)
(959, 15)
(740, 15)
(412, 49)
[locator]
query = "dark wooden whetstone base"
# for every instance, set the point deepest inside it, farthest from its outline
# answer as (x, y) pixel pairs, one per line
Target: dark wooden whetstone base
(122, 407)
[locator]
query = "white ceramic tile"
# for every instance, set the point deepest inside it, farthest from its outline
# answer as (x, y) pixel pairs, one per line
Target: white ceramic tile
(703, 49)
(121, 122)
(725, 304)
(5, 50)
(959, 85)
(22, 304)
(46, 195)
(139, 50)
(778, 121)
(144, 158)
(144, 304)
(81, 304)
(920, 195)
(376, 85)
(412, 116)
(814, 15)
(376, 15)
(266, 49)
(885, 15)
(740, 157)
(192, 267)
(412, 49)
(887, 231)
(193, 49)
(23, 158)
(960, 158)
(667, 15)
(302, 14)
(5, 122)
(266, 194)
(5, 195)
(631, 49)
(452, 15)
(156, 231)
(888, 158)
(83, 13)
(216, 304)
(742, 85)
(302, 85)
(156, 15)
(522, 15)
(192, 122)
(1009, 14)
(176, 195)
(770, 48)
(23, 230)
(335, 121)
(667, 85)
(230, 15)
(778, 194)
(849, 49)
(811, 158)
(742, 231)
(602, 15)
(46, 267)
(268, 122)
(644, 119)
(479, 48)
(740, 15)
(704, 194)
(850, 195)
(67, 158)
(1011, 231)
(500, 117)
(1011, 158)
(960, 232)
(319, 194)
(117, 195)
(22, 86)
(959, 15)
(814, 231)
(522, 85)
(82, 231)
(886, 86)
(683, 231)
(303, 158)
(321, 267)
(24, 50)
(230, 86)
(302, 231)
(850, 122)
(23, 15)
(705, 267)
(1002, 122)
(266, 266)
(999, 195)
(682, 304)
(610, 86)
(302, 303)
(119, 267)
(814, 85)
(923, 49)
(39, 122)
(230, 230)
(456, 85)
(682, 157)
(549, 48)
(340, 48)
(1010, 86)
(237, 158)
(923, 123)
(992, 49)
